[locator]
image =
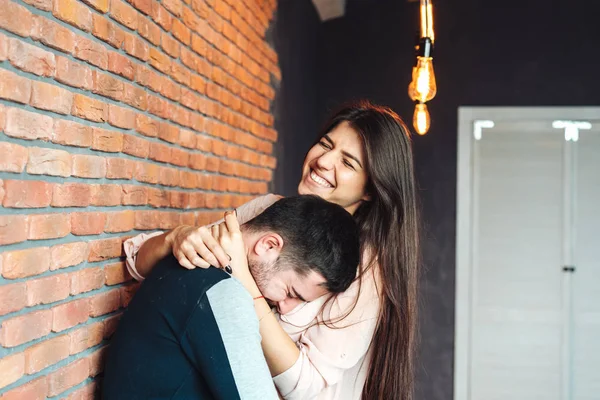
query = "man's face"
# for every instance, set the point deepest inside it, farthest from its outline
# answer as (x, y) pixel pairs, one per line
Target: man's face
(283, 286)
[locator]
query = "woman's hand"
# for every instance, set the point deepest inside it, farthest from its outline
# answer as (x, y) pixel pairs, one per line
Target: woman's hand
(230, 238)
(196, 247)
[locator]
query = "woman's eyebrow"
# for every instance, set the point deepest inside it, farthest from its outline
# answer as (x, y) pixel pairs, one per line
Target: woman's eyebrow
(345, 153)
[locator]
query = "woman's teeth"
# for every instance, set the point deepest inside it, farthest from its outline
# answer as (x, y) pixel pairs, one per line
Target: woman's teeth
(318, 180)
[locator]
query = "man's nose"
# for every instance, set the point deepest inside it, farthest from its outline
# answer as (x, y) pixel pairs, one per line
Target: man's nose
(287, 305)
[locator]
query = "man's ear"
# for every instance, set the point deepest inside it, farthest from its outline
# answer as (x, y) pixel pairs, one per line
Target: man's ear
(269, 245)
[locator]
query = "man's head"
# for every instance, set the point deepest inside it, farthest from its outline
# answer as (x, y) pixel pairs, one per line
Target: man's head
(301, 248)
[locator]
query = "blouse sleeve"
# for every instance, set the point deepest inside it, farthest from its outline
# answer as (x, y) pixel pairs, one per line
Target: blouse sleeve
(244, 213)
(327, 352)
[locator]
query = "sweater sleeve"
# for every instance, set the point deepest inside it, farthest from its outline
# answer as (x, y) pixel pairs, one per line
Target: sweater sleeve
(245, 213)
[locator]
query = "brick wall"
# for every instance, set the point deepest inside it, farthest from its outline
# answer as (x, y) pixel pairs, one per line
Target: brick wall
(115, 118)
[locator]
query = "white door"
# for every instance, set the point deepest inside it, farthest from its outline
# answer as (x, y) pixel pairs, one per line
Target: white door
(528, 206)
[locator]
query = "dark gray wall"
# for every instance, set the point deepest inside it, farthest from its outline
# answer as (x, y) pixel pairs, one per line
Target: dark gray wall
(525, 53)
(294, 35)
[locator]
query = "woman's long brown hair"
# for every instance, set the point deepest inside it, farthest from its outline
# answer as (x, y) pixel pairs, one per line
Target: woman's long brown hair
(389, 225)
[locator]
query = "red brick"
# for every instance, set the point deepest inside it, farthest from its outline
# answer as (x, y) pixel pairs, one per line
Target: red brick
(27, 125)
(14, 297)
(134, 195)
(71, 133)
(73, 74)
(88, 108)
(48, 162)
(187, 139)
(179, 199)
(110, 325)
(48, 226)
(100, 5)
(13, 158)
(104, 249)
(136, 47)
(47, 353)
(147, 172)
(158, 106)
(181, 32)
(89, 223)
(136, 146)
(48, 290)
(73, 13)
(148, 78)
(170, 89)
(86, 337)
(33, 390)
(106, 140)
(179, 157)
(168, 132)
(169, 45)
(108, 31)
(188, 180)
(199, 45)
(86, 392)
(106, 195)
(89, 166)
(146, 28)
(121, 117)
(119, 168)
(15, 18)
(86, 279)
(158, 197)
(168, 177)
(146, 125)
(162, 16)
(96, 360)
(51, 97)
(1, 197)
(90, 51)
(27, 194)
(12, 367)
(52, 34)
(67, 377)
(116, 273)
(180, 74)
(107, 85)
(120, 65)
(159, 152)
(71, 195)
(135, 97)
(125, 14)
(188, 58)
(69, 314)
(169, 220)
(25, 328)
(105, 303)
(14, 87)
(160, 60)
(68, 255)
(121, 221)
(144, 6)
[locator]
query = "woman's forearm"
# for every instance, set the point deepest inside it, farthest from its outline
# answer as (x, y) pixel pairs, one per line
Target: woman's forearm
(279, 349)
(151, 252)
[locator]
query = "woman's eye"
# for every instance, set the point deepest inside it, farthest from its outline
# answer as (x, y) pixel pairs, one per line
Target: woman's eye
(325, 145)
(348, 164)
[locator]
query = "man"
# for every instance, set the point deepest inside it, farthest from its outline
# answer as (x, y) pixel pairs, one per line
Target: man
(195, 334)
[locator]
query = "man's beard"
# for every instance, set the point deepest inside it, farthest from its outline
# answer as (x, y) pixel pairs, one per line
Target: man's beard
(262, 272)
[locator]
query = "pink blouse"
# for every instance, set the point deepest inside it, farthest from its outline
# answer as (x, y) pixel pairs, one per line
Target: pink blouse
(334, 357)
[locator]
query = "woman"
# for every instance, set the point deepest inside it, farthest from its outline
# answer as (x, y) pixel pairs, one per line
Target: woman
(360, 344)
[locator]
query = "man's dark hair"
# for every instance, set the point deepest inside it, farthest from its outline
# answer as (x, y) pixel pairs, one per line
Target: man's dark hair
(317, 235)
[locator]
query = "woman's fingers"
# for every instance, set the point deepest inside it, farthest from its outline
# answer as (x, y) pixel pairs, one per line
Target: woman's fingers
(210, 250)
(233, 226)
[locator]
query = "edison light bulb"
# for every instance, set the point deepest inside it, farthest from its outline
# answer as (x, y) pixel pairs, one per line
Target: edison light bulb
(422, 87)
(426, 13)
(421, 119)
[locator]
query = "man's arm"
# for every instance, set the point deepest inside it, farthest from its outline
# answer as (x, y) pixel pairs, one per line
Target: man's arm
(223, 341)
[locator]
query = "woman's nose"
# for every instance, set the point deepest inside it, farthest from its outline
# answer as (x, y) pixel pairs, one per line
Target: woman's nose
(326, 161)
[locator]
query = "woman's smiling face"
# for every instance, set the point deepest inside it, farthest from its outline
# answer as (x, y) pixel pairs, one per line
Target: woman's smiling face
(334, 169)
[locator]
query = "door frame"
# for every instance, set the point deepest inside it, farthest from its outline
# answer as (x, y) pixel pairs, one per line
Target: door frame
(467, 115)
